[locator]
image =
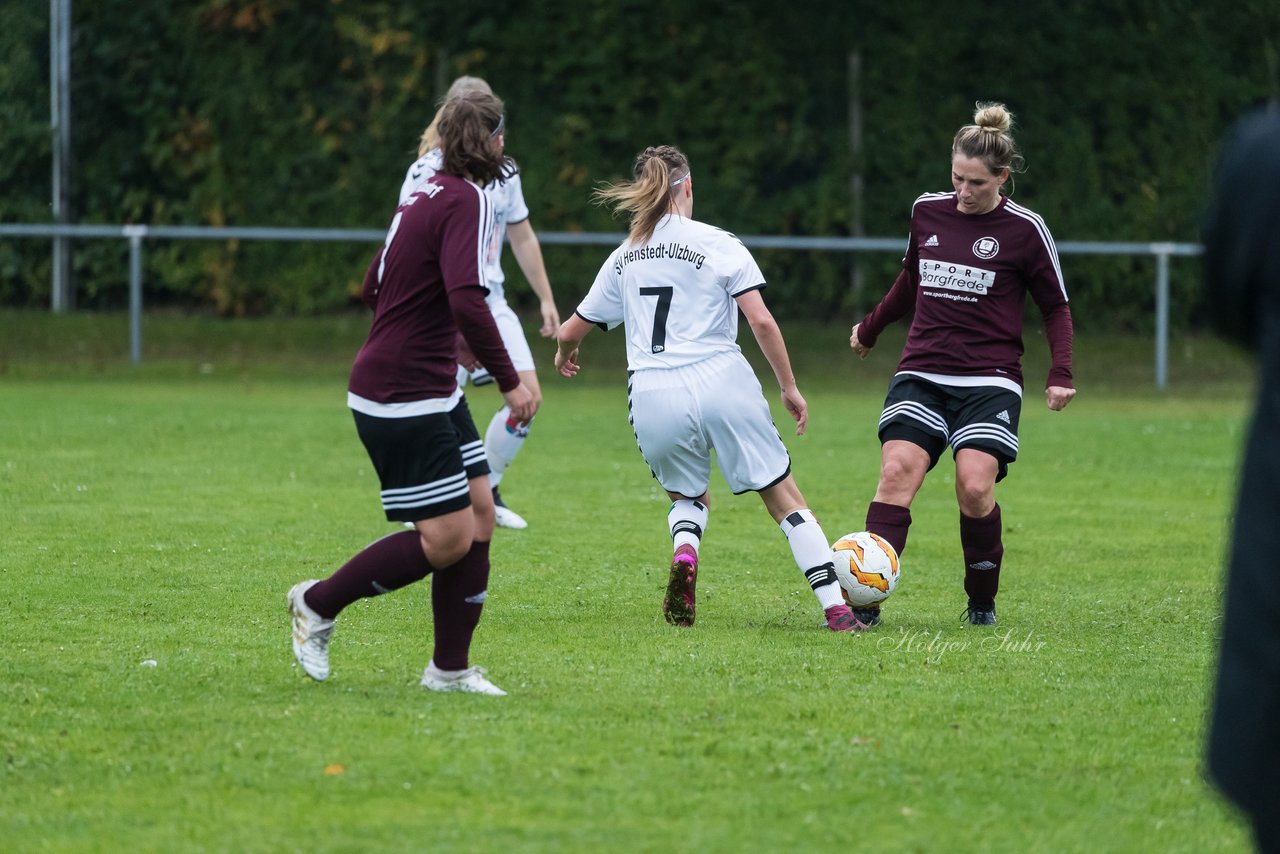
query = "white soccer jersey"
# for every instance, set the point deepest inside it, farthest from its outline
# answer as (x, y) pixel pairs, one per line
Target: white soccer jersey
(419, 173)
(506, 198)
(675, 294)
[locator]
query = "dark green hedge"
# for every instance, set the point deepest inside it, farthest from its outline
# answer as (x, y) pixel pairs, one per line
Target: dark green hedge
(300, 113)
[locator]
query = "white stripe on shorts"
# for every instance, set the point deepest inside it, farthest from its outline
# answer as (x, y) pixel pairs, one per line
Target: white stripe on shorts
(472, 452)
(985, 431)
(436, 492)
(916, 412)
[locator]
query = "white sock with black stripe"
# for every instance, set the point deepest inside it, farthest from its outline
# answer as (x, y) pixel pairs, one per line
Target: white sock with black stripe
(812, 553)
(687, 520)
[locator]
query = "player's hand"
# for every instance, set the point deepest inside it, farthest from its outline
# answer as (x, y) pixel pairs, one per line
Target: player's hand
(567, 363)
(550, 319)
(857, 346)
(1057, 397)
(796, 405)
(523, 402)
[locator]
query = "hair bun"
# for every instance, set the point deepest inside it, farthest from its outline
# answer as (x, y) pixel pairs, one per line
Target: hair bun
(993, 117)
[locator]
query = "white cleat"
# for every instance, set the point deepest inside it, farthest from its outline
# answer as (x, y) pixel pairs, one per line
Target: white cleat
(505, 517)
(310, 633)
(470, 681)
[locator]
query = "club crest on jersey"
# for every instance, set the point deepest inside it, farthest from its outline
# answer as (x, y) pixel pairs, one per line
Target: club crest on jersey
(986, 247)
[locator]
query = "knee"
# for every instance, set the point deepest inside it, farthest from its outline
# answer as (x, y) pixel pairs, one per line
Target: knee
(446, 549)
(976, 497)
(898, 471)
(976, 482)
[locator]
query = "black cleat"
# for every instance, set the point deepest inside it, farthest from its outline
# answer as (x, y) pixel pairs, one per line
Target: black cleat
(979, 616)
(868, 616)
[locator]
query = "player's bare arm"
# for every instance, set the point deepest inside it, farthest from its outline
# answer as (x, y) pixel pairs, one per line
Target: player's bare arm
(528, 252)
(774, 348)
(568, 339)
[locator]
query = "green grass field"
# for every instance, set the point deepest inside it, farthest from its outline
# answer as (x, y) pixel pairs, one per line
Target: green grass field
(159, 513)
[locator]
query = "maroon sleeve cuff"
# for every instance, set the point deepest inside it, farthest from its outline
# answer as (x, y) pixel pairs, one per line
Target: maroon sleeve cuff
(867, 332)
(1061, 378)
(1059, 332)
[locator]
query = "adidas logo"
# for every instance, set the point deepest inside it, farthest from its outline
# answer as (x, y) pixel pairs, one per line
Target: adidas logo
(1003, 416)
(982, 565)
(932, 241)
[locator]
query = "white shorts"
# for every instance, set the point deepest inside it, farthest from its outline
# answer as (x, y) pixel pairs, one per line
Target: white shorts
(512, 335)
(512, 338)
(681, 414)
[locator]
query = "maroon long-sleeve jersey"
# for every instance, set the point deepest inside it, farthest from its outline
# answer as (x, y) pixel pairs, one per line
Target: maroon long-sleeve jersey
(426, 285)
(967, 277)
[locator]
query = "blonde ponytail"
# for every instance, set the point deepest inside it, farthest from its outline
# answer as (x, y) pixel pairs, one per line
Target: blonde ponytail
(647, 199)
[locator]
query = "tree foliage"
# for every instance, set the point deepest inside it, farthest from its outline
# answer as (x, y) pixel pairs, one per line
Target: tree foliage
(294, 113)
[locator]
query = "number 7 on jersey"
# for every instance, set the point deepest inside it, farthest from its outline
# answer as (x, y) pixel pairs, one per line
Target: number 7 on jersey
(658, 342)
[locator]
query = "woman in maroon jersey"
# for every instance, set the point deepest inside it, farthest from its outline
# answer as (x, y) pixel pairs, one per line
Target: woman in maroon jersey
(426, 286)
(972, 258)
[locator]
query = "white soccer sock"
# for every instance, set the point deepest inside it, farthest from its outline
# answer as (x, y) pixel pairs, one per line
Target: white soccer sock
(687, 520)
(502, 441)
(812, 553)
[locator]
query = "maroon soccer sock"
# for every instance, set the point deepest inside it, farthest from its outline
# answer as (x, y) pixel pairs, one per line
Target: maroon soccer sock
(891, 522)
(457, 598)
(983, 551)
(385, 565)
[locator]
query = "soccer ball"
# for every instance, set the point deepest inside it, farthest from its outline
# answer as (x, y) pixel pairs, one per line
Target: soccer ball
(866, 567)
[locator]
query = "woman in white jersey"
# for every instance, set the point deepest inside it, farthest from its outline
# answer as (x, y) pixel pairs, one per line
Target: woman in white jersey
(505, 435)
(677, 285)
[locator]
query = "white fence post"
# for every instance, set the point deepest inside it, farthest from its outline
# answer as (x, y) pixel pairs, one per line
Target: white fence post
(135, 233)
(1162, 251)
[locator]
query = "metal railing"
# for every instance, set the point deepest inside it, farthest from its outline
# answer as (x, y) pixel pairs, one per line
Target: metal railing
(136, 234)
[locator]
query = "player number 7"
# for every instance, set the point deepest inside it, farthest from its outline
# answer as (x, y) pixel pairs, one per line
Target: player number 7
(658, 343)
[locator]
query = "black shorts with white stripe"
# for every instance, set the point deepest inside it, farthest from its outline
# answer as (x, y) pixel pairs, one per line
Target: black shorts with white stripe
(424, 462)
(933, 416)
